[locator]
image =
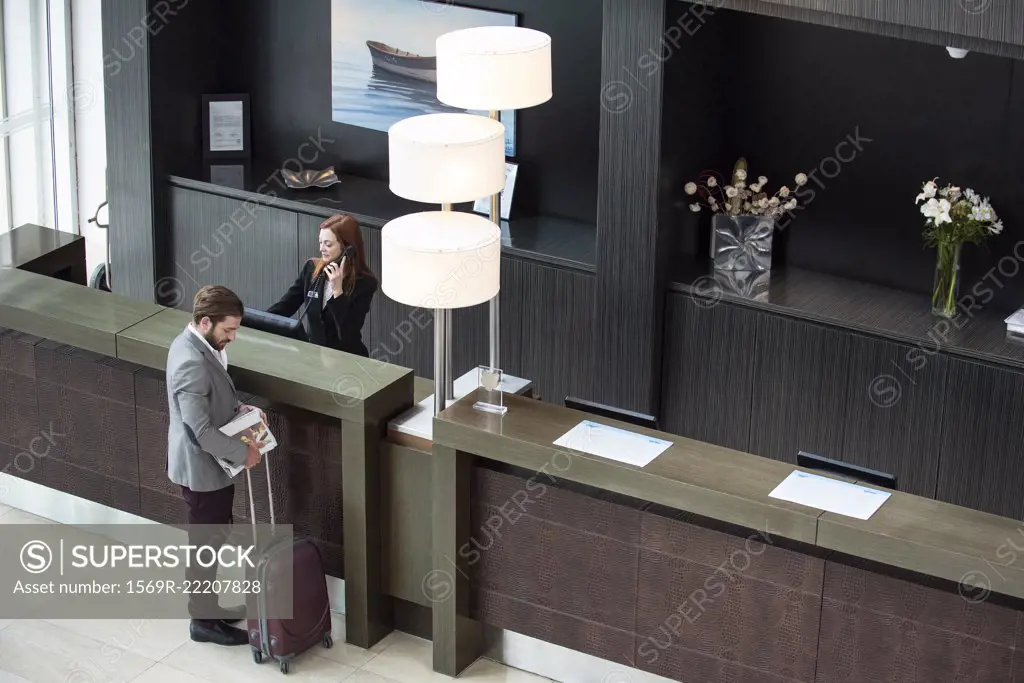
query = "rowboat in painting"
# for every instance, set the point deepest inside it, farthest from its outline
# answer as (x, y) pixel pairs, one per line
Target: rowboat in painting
(402, 63)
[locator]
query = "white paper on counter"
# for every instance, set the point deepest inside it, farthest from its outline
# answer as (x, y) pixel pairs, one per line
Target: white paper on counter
(831, 495)
(613, 443)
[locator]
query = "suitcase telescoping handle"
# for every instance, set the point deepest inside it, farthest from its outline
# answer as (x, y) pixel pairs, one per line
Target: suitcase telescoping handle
(252, 498)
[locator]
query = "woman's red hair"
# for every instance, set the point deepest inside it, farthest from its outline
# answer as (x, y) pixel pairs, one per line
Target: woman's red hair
(346, 230)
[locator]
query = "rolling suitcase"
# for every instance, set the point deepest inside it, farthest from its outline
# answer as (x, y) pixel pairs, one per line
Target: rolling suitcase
(283, 639)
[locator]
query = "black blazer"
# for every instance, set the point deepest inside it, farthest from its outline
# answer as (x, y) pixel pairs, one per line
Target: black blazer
(339, 325)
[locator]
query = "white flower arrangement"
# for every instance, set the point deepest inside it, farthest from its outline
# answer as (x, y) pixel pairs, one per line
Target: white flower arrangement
(739, 198)
(955, 216)
(952, 218)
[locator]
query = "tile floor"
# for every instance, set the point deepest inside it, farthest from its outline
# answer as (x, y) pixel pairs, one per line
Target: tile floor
(159, 651)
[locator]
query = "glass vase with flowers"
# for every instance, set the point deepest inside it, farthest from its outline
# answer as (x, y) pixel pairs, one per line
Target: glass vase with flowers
(953, 217)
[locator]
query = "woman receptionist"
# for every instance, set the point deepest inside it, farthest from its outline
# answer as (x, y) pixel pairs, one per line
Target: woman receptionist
(336, 289)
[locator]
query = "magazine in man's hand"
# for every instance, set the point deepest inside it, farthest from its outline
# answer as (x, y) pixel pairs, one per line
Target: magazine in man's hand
(245, 425)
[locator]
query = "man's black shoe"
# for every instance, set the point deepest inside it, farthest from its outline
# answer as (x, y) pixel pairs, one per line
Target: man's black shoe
(232, 615)
(216, 632)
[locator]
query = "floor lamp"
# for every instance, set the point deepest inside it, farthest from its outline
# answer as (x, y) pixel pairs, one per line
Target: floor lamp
(442, 260)
(446, 159)
(494, 69)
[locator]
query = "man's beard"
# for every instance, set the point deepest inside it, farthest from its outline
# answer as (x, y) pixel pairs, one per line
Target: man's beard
(213, 342)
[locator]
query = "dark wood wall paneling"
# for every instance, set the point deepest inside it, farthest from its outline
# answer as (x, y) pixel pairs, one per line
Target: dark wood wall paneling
(187, 54)
(627, 311)
(708, 375)
(894, 405)
(249, 248)
(981, 435)
(774, 386)
(948, 428)
(798, 397)
(159, 59)
(671, 596)
(130, 174)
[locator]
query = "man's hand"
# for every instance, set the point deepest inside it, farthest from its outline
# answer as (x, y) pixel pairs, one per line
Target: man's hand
(253, 457)
(245, 407)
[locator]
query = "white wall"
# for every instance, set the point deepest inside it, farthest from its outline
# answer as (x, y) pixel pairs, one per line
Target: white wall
(87, 100)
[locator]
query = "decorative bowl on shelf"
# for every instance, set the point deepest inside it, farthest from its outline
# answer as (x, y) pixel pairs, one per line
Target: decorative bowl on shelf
(306, 179)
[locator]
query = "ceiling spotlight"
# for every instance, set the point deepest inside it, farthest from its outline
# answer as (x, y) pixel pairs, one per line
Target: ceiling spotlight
(956, 52)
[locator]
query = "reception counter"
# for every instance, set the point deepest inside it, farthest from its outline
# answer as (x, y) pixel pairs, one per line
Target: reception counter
(84, 369)
(686, 569)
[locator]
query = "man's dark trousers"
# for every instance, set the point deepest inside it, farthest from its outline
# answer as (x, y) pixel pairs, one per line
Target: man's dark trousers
(212, 512)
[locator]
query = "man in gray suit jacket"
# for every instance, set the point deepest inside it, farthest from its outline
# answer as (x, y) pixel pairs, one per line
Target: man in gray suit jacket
(202, 398)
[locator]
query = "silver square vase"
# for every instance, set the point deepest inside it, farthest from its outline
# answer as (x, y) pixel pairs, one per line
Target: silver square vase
(749, 284)
(741, 242)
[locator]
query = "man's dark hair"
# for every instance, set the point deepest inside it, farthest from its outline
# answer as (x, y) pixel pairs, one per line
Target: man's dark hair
(216, 303)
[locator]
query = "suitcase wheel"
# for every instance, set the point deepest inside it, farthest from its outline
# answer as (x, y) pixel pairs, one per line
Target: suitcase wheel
(284, 666)
(257, 655)
(328, 641)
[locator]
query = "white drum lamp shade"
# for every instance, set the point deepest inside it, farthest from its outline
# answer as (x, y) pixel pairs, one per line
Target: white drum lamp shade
(494, 68)
(446, 158)
(441, 259)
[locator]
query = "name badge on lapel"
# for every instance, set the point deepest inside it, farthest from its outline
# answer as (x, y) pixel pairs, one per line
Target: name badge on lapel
(312, 294)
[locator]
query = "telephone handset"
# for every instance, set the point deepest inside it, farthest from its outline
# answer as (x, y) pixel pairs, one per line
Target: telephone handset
(346, 252)
(337, 261)
(314, 287)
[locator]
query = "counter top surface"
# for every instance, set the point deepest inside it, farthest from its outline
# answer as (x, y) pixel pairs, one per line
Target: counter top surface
(701, 478)
(978, 333)
(28, 242)
(958, 544)
(908, 532)
(67, 312)
(289, 371)
(313, 377)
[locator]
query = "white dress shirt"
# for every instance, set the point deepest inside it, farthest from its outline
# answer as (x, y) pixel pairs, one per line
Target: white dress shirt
(222, 354)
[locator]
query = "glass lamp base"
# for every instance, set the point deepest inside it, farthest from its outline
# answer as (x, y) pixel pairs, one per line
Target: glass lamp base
(492, 400)
(490, 408)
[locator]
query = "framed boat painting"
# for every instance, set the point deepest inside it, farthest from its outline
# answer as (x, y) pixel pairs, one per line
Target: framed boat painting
(383, 67)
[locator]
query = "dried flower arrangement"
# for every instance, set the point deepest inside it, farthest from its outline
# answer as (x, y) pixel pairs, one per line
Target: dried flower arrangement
(739, 198)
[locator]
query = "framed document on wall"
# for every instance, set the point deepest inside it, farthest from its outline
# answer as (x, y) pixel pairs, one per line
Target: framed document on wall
(483, 205)
(226, 127)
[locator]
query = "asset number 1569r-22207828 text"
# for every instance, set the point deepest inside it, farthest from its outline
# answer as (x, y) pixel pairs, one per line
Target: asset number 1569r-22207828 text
(216, 587)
